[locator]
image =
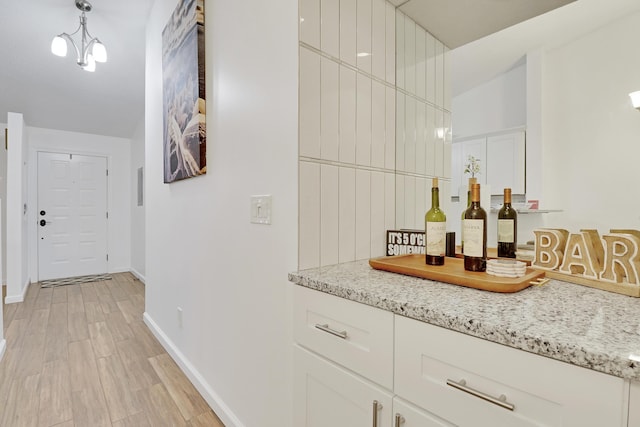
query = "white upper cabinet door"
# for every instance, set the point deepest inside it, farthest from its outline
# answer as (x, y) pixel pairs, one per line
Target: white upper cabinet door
(505, 162)
(478, 149)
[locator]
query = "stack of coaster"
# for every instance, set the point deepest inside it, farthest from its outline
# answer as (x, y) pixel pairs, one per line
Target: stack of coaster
(506, 268)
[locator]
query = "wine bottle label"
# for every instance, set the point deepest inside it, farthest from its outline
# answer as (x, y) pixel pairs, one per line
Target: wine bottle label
(505, 230)
(473, 232)
(436, 238)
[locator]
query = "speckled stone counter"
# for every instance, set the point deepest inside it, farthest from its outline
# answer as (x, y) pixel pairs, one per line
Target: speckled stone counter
(586, 327)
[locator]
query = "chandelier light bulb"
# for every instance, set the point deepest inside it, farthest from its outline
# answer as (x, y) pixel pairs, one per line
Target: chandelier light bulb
(635, 99)
(59, 46)
(99, 52)
(91, 64)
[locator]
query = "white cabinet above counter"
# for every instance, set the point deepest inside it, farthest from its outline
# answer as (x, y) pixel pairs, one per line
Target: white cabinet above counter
(501, 158)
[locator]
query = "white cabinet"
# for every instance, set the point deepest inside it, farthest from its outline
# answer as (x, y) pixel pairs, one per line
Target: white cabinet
(506, 162)
(356, 336)
(501, 157)
(634, 404)
(444, 371)
(374, 368)
(326, 395)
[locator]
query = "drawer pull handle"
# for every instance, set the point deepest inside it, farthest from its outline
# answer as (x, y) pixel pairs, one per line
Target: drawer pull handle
(399, 420)
(339, 334)
(376, 407)
(500, 401)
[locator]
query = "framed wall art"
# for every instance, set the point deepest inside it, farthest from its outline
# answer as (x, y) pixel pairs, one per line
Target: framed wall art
(183, 86)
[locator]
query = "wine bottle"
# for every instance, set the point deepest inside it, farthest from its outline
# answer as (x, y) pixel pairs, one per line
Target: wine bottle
(471, 182)
(435, 229)
(475, 233)
(507, 228)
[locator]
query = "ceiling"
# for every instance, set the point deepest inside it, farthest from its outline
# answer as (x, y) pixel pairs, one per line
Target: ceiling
(481, 60)
(55, 93)
(459, 22)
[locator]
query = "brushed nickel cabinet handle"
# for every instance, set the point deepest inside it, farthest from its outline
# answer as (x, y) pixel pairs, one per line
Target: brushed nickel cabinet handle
(326, 328)
(399, 420)
(376, 407)
(500, 401)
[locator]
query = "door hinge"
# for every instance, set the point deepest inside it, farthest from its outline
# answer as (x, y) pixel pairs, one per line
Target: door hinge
(107, 215)
(107, 257)
(107, 172)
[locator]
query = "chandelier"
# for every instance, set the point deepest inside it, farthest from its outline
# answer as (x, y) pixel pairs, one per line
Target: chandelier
(91, 50)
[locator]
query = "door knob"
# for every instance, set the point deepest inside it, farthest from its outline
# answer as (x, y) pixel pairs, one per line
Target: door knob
(43, 223)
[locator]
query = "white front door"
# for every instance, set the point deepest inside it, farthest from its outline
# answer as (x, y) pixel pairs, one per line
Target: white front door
(72, 215)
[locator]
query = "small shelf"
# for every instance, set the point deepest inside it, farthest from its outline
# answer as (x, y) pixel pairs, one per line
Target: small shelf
(530, 211)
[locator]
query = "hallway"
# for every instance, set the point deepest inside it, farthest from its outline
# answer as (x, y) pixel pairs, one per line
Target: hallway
(80, 355)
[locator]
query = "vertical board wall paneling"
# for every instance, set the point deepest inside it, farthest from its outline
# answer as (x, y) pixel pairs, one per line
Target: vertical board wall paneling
(372, 126)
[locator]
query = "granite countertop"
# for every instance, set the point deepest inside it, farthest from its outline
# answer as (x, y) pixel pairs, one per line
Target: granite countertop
(586, 327)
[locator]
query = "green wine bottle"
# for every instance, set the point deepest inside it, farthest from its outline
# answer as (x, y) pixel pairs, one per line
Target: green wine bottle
(507, 228)
(435, 229)
(475, 233)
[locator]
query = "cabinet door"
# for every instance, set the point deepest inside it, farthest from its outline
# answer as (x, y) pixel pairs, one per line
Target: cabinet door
(478, 149)
(326, 395)
(634, 404)
(505, 162)
(456, 169)
(407, 415)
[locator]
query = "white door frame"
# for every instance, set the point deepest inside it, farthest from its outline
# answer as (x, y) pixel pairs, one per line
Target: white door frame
(32, 197)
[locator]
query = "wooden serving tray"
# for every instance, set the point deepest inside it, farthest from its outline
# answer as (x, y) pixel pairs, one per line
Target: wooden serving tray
(453, 272)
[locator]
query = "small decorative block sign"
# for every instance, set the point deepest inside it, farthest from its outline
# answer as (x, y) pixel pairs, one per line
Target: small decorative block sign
(402, 242)
(611, 263)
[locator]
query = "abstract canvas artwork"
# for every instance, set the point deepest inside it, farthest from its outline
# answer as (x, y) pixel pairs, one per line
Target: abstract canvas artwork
(183, 85)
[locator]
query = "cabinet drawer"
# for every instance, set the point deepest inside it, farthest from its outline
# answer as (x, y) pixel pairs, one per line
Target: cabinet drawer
(454, 376)
(354, 335)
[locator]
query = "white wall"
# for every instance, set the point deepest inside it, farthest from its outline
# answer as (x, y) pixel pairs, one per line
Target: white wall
(17, 257)
(3, 209)
(137, 212)
(496, 105)
(590, 132)
(117, 152)
(3, 343)
(202, 254)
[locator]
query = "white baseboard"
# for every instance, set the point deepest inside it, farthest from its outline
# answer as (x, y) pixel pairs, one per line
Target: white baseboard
(138, 275)
(3, 348)
(213, 399)
(11, 299)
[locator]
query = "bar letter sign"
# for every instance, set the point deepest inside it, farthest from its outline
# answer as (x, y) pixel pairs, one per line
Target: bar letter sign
(611, 263)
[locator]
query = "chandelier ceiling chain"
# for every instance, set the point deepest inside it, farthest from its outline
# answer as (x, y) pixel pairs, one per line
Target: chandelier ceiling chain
(91, 49)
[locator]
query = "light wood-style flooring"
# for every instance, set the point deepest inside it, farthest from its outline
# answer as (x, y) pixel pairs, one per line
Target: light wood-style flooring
(80, 355)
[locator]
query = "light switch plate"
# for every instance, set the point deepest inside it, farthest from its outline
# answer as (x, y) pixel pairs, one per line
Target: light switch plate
(261, 209)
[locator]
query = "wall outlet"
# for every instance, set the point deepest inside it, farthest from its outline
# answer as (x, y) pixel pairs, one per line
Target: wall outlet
(180, 317)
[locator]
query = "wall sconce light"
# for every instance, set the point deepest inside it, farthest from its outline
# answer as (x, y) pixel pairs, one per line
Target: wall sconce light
(635, 99)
